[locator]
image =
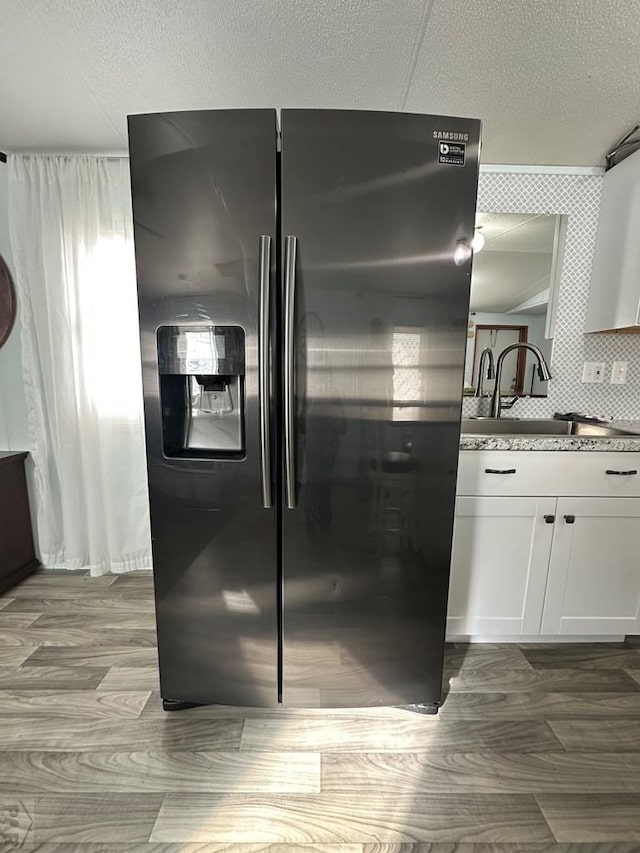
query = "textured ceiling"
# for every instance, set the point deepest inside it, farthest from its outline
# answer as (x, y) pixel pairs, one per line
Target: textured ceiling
(555, 81)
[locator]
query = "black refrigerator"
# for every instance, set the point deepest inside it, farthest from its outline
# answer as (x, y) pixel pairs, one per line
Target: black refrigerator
(303, 284)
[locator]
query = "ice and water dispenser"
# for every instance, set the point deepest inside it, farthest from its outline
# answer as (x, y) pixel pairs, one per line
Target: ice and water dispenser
(202, 390)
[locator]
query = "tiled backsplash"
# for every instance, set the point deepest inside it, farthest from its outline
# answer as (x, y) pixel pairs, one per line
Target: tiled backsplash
(578, 197)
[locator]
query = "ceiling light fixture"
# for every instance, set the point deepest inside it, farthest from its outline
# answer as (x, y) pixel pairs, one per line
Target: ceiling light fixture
(477, 244)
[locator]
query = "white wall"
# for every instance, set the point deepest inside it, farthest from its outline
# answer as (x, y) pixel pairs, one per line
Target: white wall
(13, 415)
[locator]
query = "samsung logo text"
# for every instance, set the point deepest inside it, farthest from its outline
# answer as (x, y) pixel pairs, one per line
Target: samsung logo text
(451, 135)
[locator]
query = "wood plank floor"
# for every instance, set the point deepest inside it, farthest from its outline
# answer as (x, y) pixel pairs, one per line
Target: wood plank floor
(536, 749)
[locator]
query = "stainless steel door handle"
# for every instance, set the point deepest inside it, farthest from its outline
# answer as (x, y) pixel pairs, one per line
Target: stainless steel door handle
(290, 250)
(264, 370)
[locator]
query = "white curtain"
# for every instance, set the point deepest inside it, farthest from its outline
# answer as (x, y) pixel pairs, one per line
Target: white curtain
(72, 243)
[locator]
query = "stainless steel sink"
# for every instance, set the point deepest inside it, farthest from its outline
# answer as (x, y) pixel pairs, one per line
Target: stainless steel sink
(538, 426)
(600, 430)
(515, 426)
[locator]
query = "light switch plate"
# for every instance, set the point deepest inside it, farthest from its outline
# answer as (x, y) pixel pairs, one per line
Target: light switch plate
(619, 372)
(593, 371)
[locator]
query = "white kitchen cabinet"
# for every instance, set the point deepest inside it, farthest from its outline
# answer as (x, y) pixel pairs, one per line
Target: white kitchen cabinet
(614, 292)
(499, 565)
(594, 570)
(551, 548)
(554, 473)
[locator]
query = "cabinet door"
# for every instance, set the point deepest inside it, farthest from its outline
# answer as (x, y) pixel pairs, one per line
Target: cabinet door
(501, 549)
(614, 292)
(594, 575)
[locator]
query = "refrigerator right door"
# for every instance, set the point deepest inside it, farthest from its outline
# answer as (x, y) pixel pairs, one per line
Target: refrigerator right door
(377, 217)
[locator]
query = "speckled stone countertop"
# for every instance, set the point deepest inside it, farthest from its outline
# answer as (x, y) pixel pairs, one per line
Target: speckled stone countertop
(556, 442)
(547, 442)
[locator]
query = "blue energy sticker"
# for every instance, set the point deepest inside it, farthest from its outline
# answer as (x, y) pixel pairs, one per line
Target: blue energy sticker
(451, 153)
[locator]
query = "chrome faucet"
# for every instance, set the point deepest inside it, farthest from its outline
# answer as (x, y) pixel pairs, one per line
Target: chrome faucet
(487, 353)
(543, 372)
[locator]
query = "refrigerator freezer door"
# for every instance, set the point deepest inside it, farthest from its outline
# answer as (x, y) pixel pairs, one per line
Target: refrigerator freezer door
(382, 211)
(204, 194)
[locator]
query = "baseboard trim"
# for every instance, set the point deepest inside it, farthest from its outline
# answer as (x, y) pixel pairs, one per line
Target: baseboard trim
(536, 638)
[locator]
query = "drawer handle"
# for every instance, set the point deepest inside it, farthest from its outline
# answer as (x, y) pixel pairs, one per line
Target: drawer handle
(549, 519)
(570, 519)
(630, 473)
(499, 470)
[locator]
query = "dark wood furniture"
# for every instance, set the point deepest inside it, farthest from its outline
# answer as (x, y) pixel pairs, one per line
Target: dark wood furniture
(17, 554)
(7, 302)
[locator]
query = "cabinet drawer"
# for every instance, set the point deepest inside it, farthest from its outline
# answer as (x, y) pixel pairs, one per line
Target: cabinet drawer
(586, 474)
(529, 473)
(548, 473)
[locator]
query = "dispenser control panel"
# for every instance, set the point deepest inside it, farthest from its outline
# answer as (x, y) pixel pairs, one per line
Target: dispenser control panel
(211, 350)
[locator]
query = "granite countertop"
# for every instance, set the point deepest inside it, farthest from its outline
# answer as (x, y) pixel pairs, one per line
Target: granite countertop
(548, 442)
(557, 442)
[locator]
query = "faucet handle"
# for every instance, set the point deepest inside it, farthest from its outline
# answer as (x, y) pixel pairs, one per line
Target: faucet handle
(543, 375)
(508, 402)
